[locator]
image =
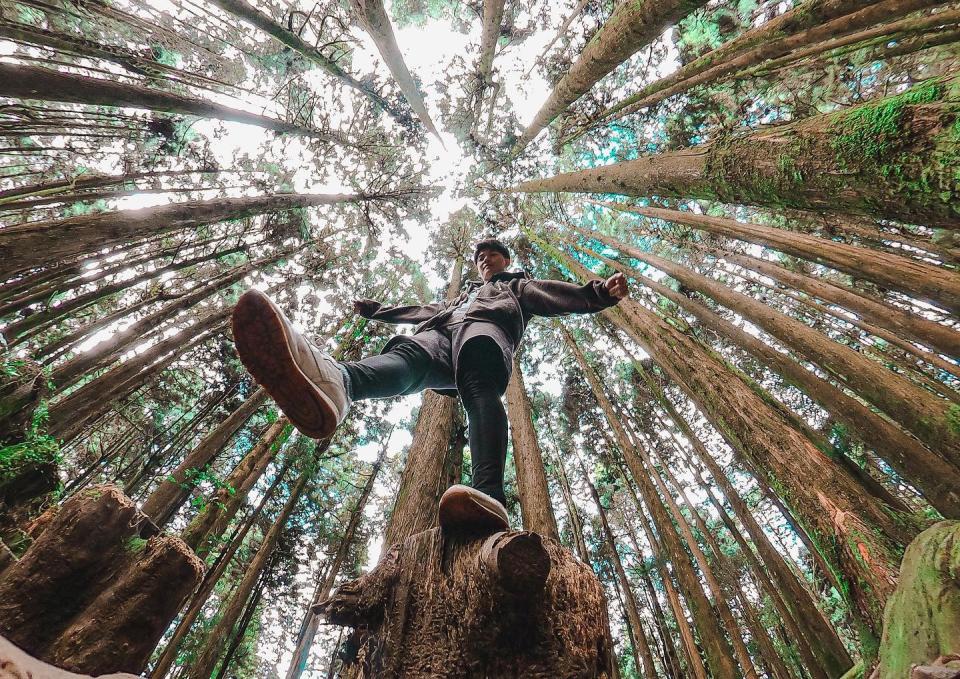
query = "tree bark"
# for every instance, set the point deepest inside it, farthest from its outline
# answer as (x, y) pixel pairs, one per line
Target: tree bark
(844, 161)
(47, 243)
(858, 535)
(774, 44)
(505, 605)
(175, 488)
(922, 281)
(936, 474)
(633, 26)
(717, 650)
(98, 587)
(31, 82)
(373, 17)
(224, 503)
(202, 667)
(489, 37)
(535, 503)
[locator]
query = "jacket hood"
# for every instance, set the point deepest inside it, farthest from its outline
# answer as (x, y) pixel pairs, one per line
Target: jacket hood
(502, 276)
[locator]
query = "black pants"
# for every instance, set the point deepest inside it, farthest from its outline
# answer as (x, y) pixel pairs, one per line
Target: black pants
(480, 384)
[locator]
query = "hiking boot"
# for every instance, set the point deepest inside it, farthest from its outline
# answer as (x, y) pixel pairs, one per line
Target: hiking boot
(463, 507)
(306, 383)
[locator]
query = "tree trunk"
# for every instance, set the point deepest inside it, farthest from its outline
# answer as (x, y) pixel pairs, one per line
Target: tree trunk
(631, 27)
(46, 243)
(535, 503)
(202, 667)
(774, 44)
(373, 17)
(210, 522)
(717, 650)
(920, 280)
(936, 477)
(644, 659)
(311, 622)
(858, 535)
(459, 605)
(576, 523)
(489, 37)
(424, 473)
(252, 15)
(31, 82)
(867, 159)
(175, 488)
(210, 580)
(98, 587)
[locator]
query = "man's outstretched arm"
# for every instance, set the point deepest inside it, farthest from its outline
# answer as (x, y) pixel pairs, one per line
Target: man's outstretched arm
(411, 313)
(554, 298)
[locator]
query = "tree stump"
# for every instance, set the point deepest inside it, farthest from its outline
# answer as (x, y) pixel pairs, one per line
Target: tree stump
(98, 587)
(511, 604)
(921, 622)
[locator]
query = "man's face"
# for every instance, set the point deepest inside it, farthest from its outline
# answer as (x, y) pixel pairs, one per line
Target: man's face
(490, 263)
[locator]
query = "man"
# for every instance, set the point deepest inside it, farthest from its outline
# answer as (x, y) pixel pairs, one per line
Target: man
(464, 346)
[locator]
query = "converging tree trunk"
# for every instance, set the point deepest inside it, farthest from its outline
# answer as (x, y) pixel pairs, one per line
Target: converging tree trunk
(891, 158)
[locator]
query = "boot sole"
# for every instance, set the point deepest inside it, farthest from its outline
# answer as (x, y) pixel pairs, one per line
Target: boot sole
(261, 341)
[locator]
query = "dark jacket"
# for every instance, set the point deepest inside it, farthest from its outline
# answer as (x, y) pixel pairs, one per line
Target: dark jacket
(500, 311)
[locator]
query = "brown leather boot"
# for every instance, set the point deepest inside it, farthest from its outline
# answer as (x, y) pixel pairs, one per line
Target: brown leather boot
(306, 383)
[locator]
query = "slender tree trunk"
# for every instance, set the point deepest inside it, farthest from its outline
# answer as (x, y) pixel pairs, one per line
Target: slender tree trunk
(644, 658)
(252, 15)
(202, 667)
(528, 458)
(207, 526)
(916, 279)
(719, 657)
(489, 36)
(31, 82)
(175, 488)
(373, 17)
(573, 515)
(835, 162)
(85, 181)
(936, 476)
(773, 47)
(559, 34)
(214, 573)
(424, 477)
(633, 26)
(860, 536)
(249, 609)
(46, 243)
(311, 622)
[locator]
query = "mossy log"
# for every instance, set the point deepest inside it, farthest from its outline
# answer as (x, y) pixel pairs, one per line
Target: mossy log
(511, 604)
(18, 664)
(922, 618)
(98, 586)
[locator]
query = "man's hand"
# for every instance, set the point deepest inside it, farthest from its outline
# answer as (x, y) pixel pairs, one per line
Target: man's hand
(616, 286)
(365, 307)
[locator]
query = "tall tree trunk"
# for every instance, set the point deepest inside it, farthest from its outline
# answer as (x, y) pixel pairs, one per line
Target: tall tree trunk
(776, 44)
(202, 667)
(644, 659)
(633, 26)
(859, 536)
(527, 456)
(311, 622)
(921, 415)
(199, 599)
(206, 527)
(489, 36)
(373, 17)
(252, 15)
(719, 656)
(175, 488)
(32, 82)
(89, 181)
(573, 514)
(106, 352)
(916, 279)
(46, 243)
(847, 161)
(424, 479)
